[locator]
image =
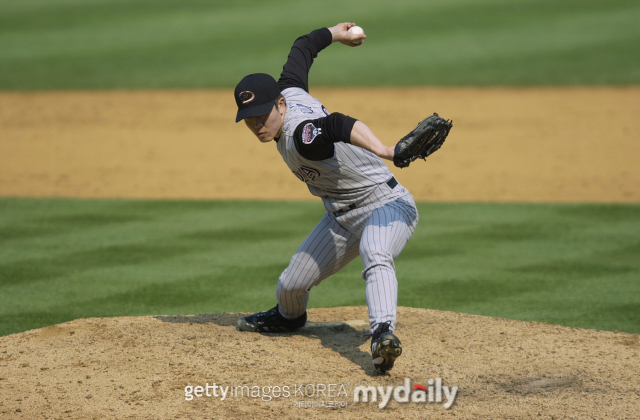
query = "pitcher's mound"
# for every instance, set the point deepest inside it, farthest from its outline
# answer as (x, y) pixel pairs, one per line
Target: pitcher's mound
(139, 367)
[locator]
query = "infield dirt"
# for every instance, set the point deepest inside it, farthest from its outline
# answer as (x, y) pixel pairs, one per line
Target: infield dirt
(139, 368)
(528, 145)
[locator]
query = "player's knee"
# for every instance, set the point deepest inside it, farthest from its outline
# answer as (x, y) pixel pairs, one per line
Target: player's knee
(376, 260)
(377, 256)
(379, 271)
(291, 286)
(385, 269)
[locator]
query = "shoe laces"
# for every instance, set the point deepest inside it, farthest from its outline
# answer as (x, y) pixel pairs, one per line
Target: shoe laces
(381, 328)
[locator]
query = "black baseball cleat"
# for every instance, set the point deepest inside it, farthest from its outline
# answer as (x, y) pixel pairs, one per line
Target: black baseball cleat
(385, 347)
(270, 321)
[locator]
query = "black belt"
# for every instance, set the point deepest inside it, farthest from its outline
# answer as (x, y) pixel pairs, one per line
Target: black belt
(391, 183)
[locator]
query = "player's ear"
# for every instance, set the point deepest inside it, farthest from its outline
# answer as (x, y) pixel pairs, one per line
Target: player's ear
(281, 104)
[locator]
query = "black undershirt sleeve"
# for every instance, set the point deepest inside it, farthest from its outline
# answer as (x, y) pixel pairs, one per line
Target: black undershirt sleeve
(295, 72)
(314, 139)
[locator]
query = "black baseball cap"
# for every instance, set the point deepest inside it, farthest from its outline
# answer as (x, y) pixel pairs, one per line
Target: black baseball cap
(255, 95)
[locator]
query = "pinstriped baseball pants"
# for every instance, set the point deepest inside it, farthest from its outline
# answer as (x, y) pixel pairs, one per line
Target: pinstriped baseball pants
(377, 232)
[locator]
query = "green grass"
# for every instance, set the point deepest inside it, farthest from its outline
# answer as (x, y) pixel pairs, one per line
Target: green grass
(98, 44)
(60, 259)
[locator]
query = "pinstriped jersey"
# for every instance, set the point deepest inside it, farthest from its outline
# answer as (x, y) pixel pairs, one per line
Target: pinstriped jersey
(346, 178)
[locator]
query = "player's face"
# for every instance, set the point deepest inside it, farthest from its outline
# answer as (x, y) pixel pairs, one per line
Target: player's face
(267, 127)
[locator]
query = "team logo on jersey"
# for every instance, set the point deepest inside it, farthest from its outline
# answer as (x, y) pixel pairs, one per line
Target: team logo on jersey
(304, 109)
(325, 110)
(306, 174)
(310, 132)
(246, 96)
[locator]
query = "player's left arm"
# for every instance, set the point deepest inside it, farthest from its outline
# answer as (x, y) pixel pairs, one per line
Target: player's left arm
(314, 139)
(363, 137)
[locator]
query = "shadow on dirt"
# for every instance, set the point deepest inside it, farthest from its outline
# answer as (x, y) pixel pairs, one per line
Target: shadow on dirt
(344, 338)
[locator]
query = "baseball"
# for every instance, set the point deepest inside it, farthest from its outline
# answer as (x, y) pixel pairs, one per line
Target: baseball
(356, 30)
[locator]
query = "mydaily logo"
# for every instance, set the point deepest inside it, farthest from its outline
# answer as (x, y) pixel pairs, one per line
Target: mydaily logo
(432, 393)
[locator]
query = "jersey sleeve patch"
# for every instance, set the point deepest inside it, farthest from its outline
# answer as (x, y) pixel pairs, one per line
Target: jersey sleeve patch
(310, 132)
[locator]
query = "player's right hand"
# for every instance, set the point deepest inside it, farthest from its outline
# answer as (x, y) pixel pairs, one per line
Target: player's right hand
(341, 34)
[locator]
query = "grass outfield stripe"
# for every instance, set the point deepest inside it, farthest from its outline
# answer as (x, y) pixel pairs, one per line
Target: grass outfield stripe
(195, 44)
(60, 259)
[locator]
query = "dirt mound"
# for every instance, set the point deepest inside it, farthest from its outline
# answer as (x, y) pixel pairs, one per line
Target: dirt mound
(139, 367)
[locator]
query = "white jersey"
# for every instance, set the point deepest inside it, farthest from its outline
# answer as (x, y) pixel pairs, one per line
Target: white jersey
(343, 180)
(368, 212)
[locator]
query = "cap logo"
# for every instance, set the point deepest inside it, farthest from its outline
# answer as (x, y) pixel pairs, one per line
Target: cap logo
(247, 96)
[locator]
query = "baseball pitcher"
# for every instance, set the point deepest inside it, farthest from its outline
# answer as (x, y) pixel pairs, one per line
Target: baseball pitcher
(340, 159)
